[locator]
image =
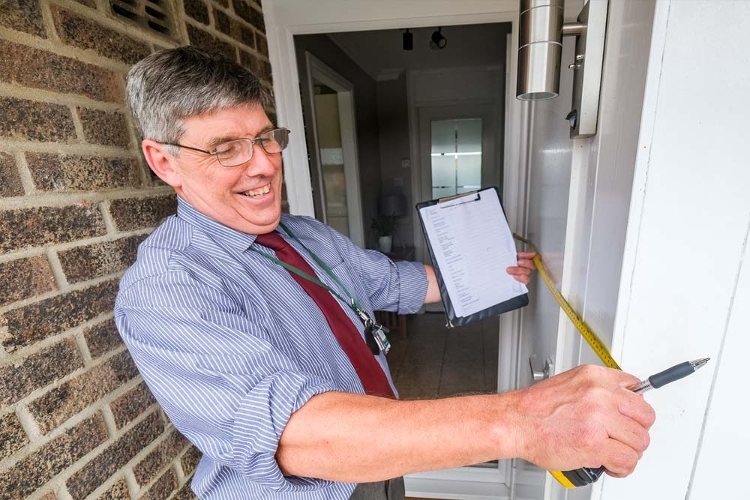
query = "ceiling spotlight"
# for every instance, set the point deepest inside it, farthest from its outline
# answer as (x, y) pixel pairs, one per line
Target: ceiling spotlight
(437, 40)
(408, 39)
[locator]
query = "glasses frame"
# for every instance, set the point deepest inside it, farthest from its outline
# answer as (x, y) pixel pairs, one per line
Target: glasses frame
(257, 140)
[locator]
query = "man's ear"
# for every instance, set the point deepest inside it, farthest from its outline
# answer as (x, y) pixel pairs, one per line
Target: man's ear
(160, 162)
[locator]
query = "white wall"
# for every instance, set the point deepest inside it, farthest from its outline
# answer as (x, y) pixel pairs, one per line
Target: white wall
(686, 286)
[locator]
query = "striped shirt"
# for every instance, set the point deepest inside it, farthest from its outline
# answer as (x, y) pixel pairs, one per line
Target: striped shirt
(230, 345)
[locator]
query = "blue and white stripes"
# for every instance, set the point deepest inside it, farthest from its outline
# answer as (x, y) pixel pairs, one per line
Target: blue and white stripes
(231, 346)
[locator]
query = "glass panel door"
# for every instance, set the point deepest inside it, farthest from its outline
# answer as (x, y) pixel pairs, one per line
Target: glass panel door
(456, 156)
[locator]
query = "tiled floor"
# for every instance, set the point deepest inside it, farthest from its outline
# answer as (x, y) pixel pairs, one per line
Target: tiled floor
(434, 361)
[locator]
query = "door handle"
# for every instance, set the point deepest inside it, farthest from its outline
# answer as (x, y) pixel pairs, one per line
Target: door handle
(540, 371)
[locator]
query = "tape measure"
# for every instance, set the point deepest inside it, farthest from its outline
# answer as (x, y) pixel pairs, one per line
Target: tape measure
(585, 475)
(581, 325)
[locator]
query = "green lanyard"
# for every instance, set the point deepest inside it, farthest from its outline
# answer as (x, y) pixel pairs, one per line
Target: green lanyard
(352, 302)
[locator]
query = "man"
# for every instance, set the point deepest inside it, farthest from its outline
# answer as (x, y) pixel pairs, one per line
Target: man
(255, 367)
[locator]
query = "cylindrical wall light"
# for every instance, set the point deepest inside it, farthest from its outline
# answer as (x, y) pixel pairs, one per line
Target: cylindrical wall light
(539, 49)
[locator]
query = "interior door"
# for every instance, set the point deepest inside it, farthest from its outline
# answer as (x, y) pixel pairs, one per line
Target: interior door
(459, 150)
(335, 159)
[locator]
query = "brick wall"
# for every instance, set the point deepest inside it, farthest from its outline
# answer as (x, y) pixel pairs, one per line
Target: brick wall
(76, 198)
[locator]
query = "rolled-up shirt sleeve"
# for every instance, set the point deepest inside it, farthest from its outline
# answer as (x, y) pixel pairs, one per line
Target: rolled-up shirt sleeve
(391, 286)
(212, 366)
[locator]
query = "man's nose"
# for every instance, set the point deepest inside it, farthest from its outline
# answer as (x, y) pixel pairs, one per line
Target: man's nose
(262, 163)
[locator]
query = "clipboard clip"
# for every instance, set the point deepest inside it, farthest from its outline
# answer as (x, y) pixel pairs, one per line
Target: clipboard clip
(456, 196)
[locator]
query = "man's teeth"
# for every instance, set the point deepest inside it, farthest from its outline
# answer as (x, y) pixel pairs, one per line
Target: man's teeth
(258, 192)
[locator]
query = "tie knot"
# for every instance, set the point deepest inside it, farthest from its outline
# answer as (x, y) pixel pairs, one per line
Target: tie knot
(272, 240)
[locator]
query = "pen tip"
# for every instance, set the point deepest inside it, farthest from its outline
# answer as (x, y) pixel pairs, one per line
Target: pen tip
(699, 362)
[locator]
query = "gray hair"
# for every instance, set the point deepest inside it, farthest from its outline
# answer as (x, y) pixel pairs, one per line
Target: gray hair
(171, 85)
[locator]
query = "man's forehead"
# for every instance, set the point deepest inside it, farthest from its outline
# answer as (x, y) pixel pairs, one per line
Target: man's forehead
(229, 123)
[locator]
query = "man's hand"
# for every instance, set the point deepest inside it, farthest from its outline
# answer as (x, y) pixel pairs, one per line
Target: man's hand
(522, 272)
(585, 417)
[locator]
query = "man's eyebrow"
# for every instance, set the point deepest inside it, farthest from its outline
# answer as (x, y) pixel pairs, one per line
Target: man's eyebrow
(226, 138)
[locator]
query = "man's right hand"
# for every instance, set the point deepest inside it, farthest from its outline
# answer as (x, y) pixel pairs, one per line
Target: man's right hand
(585, 417)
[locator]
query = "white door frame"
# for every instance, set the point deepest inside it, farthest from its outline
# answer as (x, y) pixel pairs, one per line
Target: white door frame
(317, 70)
(286, 18)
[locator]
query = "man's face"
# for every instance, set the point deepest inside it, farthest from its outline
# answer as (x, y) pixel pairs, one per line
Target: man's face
(246, 197)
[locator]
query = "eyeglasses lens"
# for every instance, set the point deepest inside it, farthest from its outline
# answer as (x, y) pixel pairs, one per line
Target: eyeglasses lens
(238, 152)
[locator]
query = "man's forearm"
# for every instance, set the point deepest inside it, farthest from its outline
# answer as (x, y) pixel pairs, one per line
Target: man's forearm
(585, 417)
(355, 438)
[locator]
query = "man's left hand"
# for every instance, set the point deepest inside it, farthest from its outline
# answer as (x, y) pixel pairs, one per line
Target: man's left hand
(522, 272)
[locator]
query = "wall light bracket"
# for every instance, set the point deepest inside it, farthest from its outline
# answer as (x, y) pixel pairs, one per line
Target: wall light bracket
(587, 68)
(541, 29)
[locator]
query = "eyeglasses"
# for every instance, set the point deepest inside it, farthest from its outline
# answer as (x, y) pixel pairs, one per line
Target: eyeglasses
(239, 151)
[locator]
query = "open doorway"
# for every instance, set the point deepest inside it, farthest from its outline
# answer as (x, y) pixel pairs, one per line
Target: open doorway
(428, 121)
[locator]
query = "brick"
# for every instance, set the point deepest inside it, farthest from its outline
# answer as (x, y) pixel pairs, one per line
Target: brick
(92, 261)
(260, 67)
(38, 370)
(30, 67)
(32, 472)
(243, 34)
(189, 460)
(48, 225)
(163, 487)
(53, 173)
(87, 34)
(118, 491)
(12, 436)
(24, 278)
(22, 15)
(102, 338)
(233, 28)
(261, 44)
(114, 457)
(104, 127)
(131, 213)
(127, 407)
(26, 325)
(204, 40)
(246, 11)
(148, 468)
(35, 121)
(185, 493)
(10, 181)
(222, 22)
(196, 9)
(61, 403)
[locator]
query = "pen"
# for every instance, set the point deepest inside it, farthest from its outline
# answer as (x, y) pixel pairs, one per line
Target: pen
(669, 375)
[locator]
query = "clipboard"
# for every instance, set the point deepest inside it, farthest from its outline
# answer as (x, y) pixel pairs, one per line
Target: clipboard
(470, 245)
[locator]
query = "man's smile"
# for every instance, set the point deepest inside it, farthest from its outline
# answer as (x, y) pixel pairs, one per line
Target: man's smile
(253, 193)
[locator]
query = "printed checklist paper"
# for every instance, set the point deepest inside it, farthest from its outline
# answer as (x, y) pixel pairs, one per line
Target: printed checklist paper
(472, 246)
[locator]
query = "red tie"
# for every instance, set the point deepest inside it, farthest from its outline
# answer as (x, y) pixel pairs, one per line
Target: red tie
(367, 367)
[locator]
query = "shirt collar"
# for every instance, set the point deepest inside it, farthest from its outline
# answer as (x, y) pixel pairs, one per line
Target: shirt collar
(229, 237)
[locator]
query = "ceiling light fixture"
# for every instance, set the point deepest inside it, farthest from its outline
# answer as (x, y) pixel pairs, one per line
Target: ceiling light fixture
(408, 40)
(437, 40)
